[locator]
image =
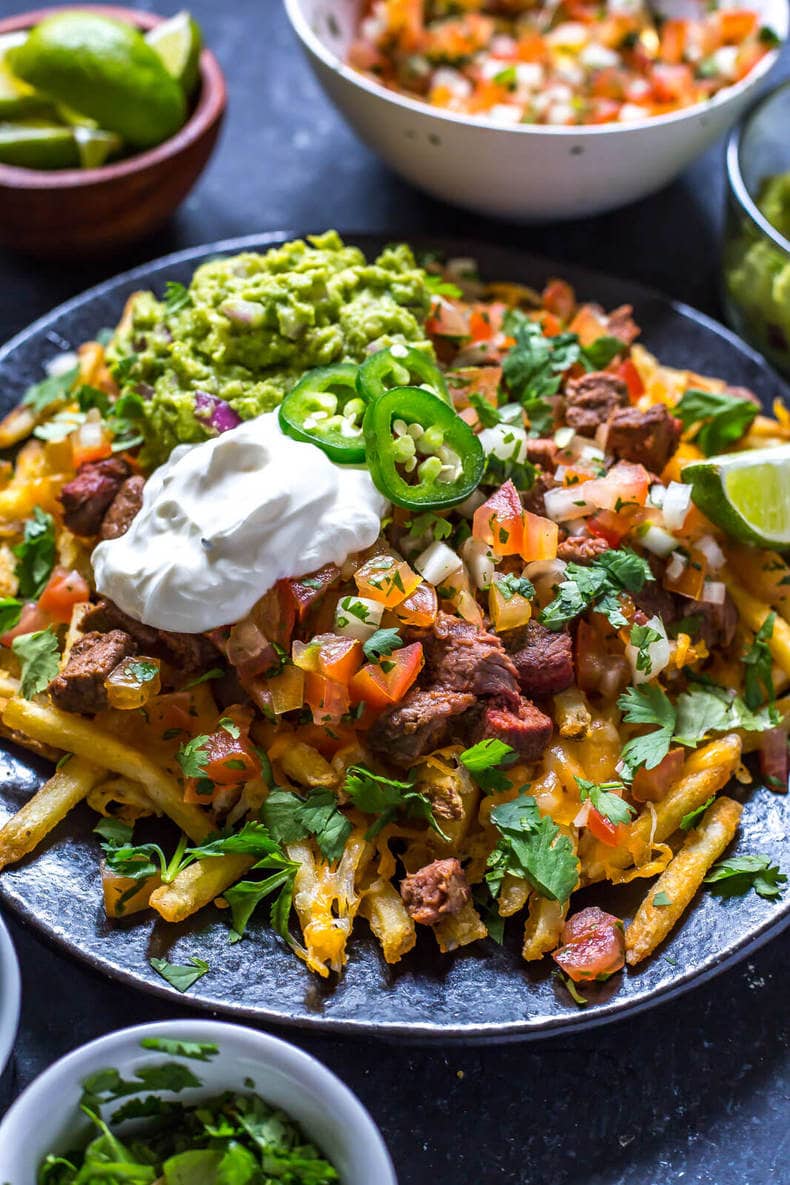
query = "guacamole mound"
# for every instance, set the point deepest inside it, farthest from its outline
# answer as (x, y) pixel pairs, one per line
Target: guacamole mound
(250, 325)
(758, 276)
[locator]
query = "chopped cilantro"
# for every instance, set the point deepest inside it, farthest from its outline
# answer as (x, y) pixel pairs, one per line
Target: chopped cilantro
(598, 585)
(723, 419)
(39, 657)
(176, 297)
(181, 977)
(382, 642)
(606, 800)
(143, 670)
(290, 817)
(201, 1051)
(51, 390)
(758, 660)
(661, 900)
(35, 555)
(192, 757)
(485, 762)
(430, 524)
(736, 876)
(10, 613)
(531, 847)
(642, 637)
(570, 988)
(438, 286)
(692, 818)
(375, 794)
(510, 585)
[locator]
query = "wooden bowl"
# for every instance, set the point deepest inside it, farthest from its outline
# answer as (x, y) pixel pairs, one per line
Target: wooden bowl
(70, 212)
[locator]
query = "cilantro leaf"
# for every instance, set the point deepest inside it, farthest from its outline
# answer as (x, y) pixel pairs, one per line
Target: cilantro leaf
(177, 297)
(606, 801)
(511, 585)
(382, 642)
(661, 900)
(601, 352)
(758, 660)
(723, 418)
(533, 848)
(144, 670)
(39, 656)
(485, 761)
(438, 286)
(245, 896)
(642, 637)
(430, 524)
(53, 389)
(193, 756)
(570, 988)
(201, 1051)
(736, 876)
(375, 794)
(322, 817)
(705, 709)
(10, 613)
(533, 368)
(281, 815)
(180, 976)
(647, 704)
(487, 414)
(35, 555)
(597, 585)
(692, 818)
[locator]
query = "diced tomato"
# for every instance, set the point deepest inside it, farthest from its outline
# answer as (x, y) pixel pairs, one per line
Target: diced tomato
(31, 621)
(248, 649)
(735, 25)
(672, 84)
(652, 785)
(275, 614)
(338, 658)
(229, 761)
(91, 442)
(480, 328)
(500, 521)
(386, 579)
(170, 716)
(609, 83)
(673, 40)
(327, 699)
(539, 537)
(550, 324)
(560, 299)
(607, 832)
(689, 580)
(63, 591)
(589, 324)
(420, 608)
(307, 590)
(609, 526)
(629, 483)
(448, 319)
(381, 684)
(474, 380)
(604, 110)
(593, 946)
(632, 379)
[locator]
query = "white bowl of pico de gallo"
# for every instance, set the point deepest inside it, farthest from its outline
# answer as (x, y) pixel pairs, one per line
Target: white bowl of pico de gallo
(538, 113)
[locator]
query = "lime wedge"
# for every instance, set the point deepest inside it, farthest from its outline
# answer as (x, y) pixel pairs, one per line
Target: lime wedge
(746, 494)
(74, 118)
(96, 146)
(178, 42)
(17, 99)
(38, 147)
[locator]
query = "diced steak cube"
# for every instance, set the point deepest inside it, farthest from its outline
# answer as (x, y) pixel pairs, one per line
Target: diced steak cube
(622, 324)
(420, 723)
(646, 438)
(542, 658)
(581, 549)
(80, 685)
(591, 400)
(542, 451)
(524, 727)
(188, 653)
(719, 621)
(534, 500)
(123, 508)
(435, 891)
(87, 497)
(463, 658)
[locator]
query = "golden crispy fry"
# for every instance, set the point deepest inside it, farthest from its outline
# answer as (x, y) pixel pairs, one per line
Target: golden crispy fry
(681, 879)
(326, 900)
(384, 909)
(512, 896)
(572, 713)
(765, 574)
(454, 797)
(459, 929)
(543, 926)
(9, 685)
(198, 885)
(754, 612)
(26, 829)
(16, 425)
(124, 896)
(705, 772)
(304, 765)
(78, 735)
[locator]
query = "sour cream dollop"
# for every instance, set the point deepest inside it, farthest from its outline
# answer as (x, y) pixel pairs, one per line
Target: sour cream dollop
(223, 521)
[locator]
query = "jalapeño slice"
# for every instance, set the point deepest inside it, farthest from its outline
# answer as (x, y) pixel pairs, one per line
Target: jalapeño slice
(325, 409)
(400, 366)
(420, 453)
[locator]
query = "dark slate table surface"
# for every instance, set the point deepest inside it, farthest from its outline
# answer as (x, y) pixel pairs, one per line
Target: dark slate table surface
(695, 1091)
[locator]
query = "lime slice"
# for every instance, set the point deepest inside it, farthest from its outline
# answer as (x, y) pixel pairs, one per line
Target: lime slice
(746, 494)
(38, 147)
(17, 99)
(178, 42)
(95, 146)
(74, 118)
(104, 69)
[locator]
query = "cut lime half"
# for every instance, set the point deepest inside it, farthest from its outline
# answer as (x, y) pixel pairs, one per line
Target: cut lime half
(746, 494)
(96, 146)
(30, 146)
(178, 42)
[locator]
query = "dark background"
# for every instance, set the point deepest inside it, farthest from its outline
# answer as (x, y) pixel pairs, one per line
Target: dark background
(695, 1091)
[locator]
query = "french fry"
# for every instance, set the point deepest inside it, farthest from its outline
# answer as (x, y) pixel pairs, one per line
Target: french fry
(705, 772)
(512, 896)
(198, 885)
(9, 685)
(754, 612)
(572, 713)
(123, 895)
(459, 929)
(326, 900)
(304, 765)
(383, 907)
(78, 735)
(765, 574)
(36, 818)
(681, 879)
(543, 926)
(16, 426)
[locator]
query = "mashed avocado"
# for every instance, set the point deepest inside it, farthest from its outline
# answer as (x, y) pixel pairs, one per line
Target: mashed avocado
(758, 276)
(249, 326)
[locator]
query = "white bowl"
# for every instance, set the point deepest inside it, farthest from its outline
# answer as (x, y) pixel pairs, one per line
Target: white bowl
(525, 172)
(45, 1117)
(10, 994)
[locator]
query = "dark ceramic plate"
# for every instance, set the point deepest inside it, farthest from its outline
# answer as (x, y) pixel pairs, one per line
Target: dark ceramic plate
(485, 991)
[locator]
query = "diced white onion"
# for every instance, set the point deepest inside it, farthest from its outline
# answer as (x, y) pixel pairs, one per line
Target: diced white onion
(512, 413)
(713, 592)
(468, 507)
(61, 364)
(576, 526)
(675, 567)
(657, 540)
(676, 504)
(656, 495)
(437, 562)
(712, 552)
(583, 814)
(563, 437)
(479, 559)
(580, 448)
(508, 442)
(349, 615)
(567, 503)
(658, 653)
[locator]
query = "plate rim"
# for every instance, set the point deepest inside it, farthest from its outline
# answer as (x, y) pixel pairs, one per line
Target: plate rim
(417, 1031)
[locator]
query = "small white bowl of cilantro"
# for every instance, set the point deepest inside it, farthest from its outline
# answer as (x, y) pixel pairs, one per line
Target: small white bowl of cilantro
(188, 1102)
